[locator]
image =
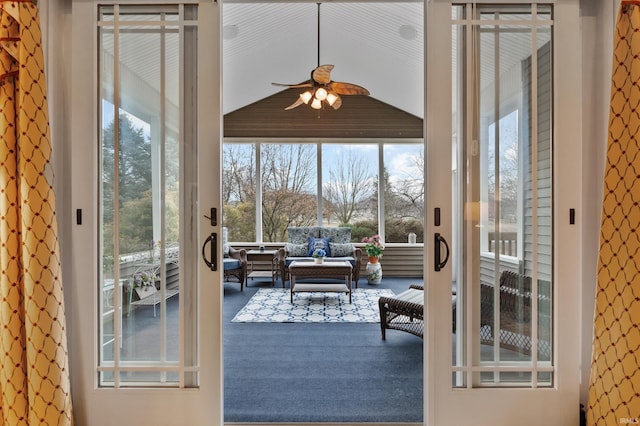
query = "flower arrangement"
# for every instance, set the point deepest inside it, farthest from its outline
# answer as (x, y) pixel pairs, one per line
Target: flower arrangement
(373, 246)
(144, 279)
(318, 253)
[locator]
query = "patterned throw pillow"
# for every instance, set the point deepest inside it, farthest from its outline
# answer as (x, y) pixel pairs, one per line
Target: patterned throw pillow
(297, 250)
(300, 235)
(341, 249)
(340, 234)
(319, 243)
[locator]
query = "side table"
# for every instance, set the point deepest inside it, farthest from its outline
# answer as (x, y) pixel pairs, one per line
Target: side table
(263, 256)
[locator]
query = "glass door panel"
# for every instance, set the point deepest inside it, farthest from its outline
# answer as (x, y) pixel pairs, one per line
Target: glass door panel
(505, 167)
(143, 179)
(505, 347)
(143, 91)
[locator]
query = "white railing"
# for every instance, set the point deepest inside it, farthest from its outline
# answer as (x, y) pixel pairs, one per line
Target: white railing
(507, 244)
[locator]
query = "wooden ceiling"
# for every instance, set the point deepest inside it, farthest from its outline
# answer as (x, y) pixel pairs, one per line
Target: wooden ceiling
(359, 117)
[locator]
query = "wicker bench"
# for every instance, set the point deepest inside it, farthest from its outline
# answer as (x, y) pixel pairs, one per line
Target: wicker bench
(403, 312)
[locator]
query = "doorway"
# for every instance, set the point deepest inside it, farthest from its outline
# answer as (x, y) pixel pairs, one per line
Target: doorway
(378, 150)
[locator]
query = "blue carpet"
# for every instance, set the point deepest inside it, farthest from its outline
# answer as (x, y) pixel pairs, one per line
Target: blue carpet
(319, 372)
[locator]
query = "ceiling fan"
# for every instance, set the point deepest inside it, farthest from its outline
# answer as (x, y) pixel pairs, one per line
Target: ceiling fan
(321, 88)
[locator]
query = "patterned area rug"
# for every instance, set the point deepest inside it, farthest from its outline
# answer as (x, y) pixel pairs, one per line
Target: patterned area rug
(273, 305)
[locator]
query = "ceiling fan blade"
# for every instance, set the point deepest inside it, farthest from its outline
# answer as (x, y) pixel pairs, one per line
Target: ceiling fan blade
(297, 103)
(347, 88)
(307, 83)
(322, 74)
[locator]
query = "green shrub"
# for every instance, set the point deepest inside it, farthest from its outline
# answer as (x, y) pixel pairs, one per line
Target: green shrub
(362, 229)
(397, 230)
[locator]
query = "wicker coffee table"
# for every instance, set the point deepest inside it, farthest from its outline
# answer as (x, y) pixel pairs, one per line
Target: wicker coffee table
(302, 269)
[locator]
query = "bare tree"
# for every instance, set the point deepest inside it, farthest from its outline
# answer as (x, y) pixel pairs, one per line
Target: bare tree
(288, 194)
(239, 176)
(239, 191)
(349, 185)
(404, 198)
(504, 187)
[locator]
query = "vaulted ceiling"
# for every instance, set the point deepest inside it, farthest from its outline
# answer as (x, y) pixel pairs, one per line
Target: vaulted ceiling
(375, 45)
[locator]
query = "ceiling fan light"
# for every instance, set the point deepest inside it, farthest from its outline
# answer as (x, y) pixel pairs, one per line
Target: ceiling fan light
(331, 98)
(306, 96)
(316, 103)
(321, 94)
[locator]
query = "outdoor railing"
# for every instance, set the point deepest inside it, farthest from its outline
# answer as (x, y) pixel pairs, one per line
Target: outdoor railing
(507, 244)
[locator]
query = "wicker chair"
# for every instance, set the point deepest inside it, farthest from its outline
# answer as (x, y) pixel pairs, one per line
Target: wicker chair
(403, 312)
(235, 265)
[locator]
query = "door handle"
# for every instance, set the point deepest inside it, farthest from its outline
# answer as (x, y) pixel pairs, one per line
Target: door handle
(438, 262)
(212, 262)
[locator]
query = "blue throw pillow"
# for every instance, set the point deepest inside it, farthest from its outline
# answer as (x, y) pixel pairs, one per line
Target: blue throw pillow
(319, 243)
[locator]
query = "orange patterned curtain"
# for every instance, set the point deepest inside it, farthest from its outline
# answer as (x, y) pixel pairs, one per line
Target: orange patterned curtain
(34, 372)
(614, 388)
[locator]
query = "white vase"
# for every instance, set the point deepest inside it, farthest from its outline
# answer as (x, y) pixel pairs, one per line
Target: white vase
(374, 273)
(318, 259)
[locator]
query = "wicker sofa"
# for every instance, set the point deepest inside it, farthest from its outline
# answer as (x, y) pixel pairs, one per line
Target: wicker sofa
(337, 243)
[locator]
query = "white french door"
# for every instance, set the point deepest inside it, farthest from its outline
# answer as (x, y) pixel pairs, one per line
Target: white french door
(502, 130)
(146, 310)
(474, 375)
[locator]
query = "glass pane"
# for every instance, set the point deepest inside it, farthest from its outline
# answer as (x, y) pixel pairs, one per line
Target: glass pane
(507, 13)
(142, 165)
(239, 186)
(349, 188)
(541, 173)
(459, 297)
(504, 288)
(403, 193)
(289, 188)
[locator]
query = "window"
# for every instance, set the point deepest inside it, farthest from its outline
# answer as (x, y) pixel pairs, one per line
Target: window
(289, 188)
(239, 185)
(501, 170)
(349, 176)
(403, 192)
(349, 185)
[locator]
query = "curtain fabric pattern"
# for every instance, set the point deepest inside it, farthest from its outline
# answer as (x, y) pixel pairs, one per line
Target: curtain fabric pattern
(614, 388)
(34, 373)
